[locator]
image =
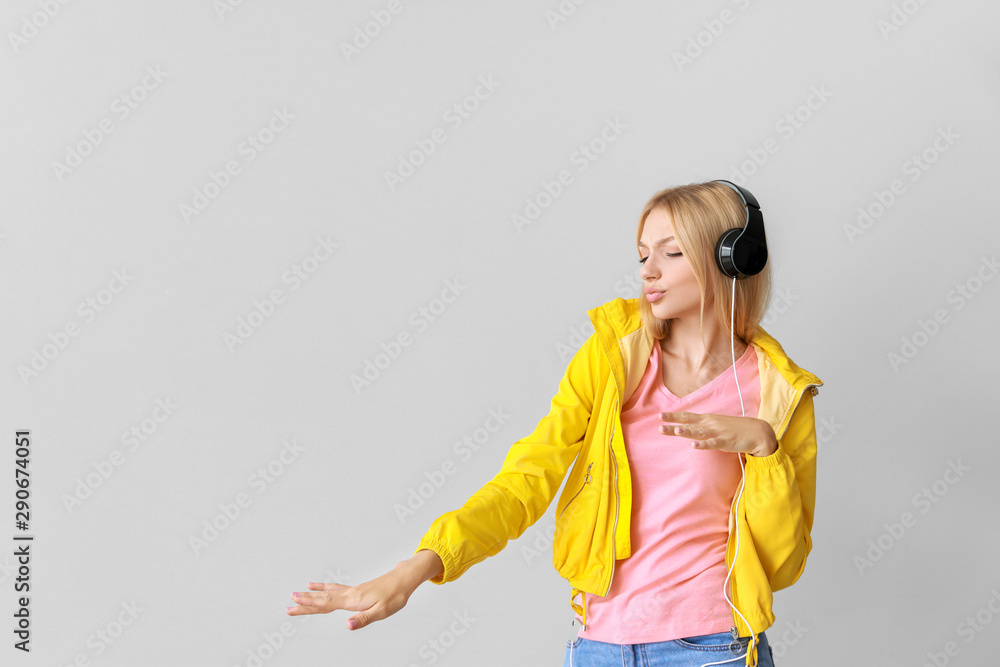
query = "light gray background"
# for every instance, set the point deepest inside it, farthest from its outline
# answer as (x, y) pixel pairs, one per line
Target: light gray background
(842, 304)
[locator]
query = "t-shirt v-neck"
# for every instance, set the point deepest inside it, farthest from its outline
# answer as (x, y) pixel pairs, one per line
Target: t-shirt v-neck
(705, 388)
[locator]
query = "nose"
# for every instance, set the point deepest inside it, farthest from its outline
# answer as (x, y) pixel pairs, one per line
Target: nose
(646, 270)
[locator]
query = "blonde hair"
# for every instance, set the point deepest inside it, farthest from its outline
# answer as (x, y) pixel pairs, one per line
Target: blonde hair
(701, 213)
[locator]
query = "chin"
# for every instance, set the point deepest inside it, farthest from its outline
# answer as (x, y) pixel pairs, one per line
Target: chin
(663, 312)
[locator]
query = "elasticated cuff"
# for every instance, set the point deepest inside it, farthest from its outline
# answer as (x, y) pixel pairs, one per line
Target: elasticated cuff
(775, 459)
(447, 558)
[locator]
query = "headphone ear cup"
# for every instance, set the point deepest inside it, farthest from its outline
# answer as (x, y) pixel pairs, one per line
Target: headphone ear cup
(740, 256)
(724, 252)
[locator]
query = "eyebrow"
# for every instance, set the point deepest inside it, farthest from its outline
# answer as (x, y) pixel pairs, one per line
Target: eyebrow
(662, 241)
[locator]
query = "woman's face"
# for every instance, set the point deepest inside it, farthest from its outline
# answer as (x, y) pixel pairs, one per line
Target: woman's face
(666, 270)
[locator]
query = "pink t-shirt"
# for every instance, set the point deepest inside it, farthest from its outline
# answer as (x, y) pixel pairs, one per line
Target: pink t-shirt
(670, 587)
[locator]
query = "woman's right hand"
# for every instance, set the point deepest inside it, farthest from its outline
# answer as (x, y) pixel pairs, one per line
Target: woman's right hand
(374, 600)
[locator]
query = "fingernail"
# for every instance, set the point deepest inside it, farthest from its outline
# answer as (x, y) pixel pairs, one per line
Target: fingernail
(287, 608)
(352, 624)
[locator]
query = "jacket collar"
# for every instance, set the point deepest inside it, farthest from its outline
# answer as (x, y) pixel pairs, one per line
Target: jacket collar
(627, 346)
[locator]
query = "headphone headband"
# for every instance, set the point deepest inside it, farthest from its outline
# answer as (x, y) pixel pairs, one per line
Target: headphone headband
(742, 251)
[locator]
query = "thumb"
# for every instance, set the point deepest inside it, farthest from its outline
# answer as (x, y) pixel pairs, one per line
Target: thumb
(359, 621)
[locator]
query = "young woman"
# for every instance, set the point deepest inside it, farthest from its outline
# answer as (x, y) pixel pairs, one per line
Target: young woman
(692, 442)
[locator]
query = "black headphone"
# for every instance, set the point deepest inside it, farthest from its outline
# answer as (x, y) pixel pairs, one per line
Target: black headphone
(742, 251)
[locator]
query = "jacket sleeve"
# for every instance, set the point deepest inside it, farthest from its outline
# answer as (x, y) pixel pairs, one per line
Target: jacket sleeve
(780, 497)
(529, 477)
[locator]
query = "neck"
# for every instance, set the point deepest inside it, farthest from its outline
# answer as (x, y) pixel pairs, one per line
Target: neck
(684, 342)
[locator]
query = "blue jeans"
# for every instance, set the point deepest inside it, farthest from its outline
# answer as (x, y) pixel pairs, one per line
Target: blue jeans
(687, 652)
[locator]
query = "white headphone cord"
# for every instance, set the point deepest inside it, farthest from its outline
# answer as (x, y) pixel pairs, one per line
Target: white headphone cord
(736, 500)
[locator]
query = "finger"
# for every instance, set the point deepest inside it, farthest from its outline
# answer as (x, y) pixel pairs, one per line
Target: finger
(320, 586)
(301, 611)
(363, 618)
(687, 431)
(681, 417)
(708, 443)
(311, 599)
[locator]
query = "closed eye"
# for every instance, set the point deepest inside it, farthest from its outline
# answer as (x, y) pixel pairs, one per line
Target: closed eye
(668, 254)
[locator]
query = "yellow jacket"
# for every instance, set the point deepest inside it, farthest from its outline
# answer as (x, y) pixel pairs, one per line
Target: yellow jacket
(593, 512)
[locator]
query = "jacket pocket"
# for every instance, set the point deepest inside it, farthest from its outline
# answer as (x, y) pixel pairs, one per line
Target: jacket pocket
(587, 478)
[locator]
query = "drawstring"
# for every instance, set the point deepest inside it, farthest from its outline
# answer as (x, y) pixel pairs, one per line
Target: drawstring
(752, 654)
(582, 611)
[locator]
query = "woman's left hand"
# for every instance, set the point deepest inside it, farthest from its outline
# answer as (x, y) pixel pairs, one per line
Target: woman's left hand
(726, 433)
